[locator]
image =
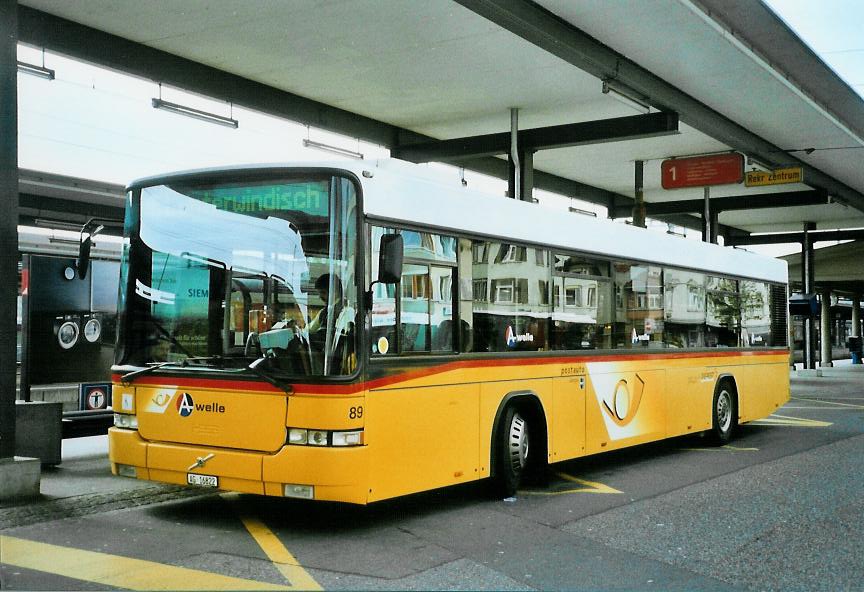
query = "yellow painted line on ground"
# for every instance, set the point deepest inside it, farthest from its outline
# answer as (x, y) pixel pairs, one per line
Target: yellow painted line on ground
(115, 570)
(785, 407)
(722, 449)
(824, 402)
(284, 561)
(588, 487)
(798, 422)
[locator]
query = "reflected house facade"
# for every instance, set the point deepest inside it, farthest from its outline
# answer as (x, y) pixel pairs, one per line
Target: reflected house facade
(513, 297)
(510, 297)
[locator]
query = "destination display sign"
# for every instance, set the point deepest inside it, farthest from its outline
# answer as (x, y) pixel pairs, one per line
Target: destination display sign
(702, 171)
(775, 177)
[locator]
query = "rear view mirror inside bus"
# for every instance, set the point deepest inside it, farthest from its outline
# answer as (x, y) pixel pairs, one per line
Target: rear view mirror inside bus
(390, 262)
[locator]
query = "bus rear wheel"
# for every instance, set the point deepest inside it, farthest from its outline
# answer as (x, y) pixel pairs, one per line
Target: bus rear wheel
(512, 450)
(724, 414)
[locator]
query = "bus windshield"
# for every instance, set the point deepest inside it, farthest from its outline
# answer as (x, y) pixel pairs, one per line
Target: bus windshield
(221, 274)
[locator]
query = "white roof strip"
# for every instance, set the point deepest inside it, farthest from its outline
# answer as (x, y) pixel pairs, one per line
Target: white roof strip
(393, 193)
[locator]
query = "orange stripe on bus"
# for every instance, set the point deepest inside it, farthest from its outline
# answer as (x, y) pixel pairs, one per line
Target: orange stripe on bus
(349, 389)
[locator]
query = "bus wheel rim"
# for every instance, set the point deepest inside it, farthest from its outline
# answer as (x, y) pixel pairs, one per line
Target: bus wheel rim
(724, 410)
(518, 443)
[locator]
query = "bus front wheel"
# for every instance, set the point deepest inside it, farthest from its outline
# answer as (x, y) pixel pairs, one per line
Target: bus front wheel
(512, 449)
(724, 413)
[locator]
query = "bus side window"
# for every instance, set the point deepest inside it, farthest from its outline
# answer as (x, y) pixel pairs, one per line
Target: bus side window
(423, 301)
(383, 336)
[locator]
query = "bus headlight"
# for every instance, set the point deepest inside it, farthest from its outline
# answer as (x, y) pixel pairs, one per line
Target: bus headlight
(297, 436)
(123, 420)
(354, 438)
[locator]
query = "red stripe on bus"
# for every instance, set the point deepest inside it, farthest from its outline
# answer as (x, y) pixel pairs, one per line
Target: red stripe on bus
(348, 389)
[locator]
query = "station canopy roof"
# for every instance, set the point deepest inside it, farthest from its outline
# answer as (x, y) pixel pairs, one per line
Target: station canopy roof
(403, 73)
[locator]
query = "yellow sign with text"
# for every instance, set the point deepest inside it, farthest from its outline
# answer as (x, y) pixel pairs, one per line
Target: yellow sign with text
(775, 177)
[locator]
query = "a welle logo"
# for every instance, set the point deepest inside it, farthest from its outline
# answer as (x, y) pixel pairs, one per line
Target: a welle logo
(513, 339)
(186, 405)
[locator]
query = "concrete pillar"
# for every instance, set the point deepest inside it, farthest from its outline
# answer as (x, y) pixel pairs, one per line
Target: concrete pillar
(856, 317)
(714, 218)
(825, 330)
(639, 191)
(8, 221)
(706, 217)
(856, 314)
(808, 284)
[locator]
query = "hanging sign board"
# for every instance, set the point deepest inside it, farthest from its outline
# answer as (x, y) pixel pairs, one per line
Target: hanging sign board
(702, 171)
(775, 177)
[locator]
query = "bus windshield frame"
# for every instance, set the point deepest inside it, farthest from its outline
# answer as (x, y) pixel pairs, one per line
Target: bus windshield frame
(220, 271)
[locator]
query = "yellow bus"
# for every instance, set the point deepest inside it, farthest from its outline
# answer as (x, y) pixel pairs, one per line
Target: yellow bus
(359, 332)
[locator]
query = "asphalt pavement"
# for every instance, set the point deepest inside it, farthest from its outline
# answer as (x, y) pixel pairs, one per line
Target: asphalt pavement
(779, 509)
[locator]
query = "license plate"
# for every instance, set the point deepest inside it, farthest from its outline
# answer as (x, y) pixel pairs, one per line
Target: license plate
(202, 480)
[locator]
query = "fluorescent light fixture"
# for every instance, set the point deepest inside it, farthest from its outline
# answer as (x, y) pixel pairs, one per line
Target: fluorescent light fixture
(54, 240)
(626, 96)
(334, 149)
(195, 113)
(34, 70)
(57, 225)
(755, 163)
(583, 212)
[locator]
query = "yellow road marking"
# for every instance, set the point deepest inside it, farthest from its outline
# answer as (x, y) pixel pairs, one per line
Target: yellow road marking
(722, 448)
(284, 561)
(830, 403)
(798, 422)
(588, 487)
(115, 570)
(787, 407)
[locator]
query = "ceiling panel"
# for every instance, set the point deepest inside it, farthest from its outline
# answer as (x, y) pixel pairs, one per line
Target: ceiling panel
(437, 68)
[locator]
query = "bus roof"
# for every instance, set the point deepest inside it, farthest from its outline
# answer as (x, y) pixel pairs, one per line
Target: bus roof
(395, 193)
(403, 193)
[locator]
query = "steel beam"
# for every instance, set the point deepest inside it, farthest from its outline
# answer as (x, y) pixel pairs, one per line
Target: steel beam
(794, 237)
(38, 207)
(543, 138)
(544, 29)
(101, 48)
(734, 203)
(8, 222)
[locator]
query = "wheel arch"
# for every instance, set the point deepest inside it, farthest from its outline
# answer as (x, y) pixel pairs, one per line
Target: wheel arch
(729, 378)
(528, 403)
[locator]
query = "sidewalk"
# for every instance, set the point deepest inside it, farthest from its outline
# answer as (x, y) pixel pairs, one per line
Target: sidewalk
(83, 484)
(841, 368)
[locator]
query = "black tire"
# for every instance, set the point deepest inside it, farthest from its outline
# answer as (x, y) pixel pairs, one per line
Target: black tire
(511, 449)
(724, 413)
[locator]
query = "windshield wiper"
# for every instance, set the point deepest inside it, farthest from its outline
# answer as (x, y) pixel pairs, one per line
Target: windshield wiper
(216, 361)
(255, 367)
(127, 378)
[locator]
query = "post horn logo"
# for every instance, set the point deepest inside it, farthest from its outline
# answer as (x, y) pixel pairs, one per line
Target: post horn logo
(623, 406)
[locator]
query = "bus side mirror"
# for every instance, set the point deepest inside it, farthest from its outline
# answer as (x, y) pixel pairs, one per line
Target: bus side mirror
(389, 264)
(390, 259)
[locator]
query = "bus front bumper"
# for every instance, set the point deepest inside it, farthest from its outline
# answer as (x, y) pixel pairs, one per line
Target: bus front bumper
(311, 472)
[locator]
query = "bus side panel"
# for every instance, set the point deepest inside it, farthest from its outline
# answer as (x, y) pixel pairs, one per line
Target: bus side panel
(422, 437)
(762, 388)
(689, 393)
(567, 432)
(624, 408)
